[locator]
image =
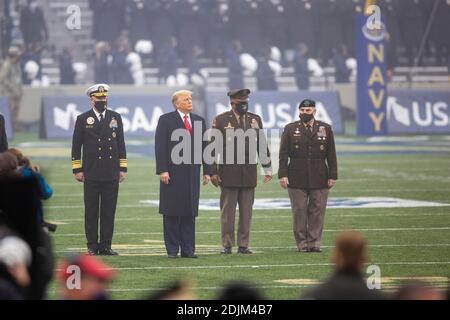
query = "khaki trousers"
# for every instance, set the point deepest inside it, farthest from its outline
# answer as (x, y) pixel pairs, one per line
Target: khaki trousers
(308, 212)
(14, 108)
(229, 198)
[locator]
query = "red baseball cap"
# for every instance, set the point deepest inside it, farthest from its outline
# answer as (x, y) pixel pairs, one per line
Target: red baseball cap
(88, 265)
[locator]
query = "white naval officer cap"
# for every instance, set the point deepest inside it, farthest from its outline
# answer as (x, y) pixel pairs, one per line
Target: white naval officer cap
(98, 90)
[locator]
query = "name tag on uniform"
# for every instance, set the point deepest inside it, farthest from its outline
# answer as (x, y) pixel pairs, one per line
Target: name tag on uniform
(89, 127)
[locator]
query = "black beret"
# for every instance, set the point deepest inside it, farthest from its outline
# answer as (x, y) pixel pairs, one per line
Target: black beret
(307, 103)
(238, 93)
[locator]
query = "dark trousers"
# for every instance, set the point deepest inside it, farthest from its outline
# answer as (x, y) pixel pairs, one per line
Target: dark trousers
(100, 199)
(179, 234)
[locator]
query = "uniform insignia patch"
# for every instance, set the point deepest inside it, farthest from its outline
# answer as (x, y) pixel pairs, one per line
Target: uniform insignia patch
(229, 126)
(297, 132)
(255, 124)
(113, 123)
(90, 120)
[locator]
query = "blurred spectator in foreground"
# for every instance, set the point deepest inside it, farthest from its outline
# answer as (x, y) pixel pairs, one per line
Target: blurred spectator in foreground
(19, 203)
(32, 23)
(8, 165)
(15, 258)
(11, 83)
(66, 71)
(342, 71)
(180, 290)
(418, 291)
(347, 282)
(301, 67)
(84, 277)
(31, 171)
(3, 137)
(238, 290)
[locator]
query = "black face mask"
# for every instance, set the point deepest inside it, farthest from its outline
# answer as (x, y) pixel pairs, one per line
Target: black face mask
(242, 108)
(100, 106)
(305, 117)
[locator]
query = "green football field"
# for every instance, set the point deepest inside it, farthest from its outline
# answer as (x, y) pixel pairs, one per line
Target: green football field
(405, 242)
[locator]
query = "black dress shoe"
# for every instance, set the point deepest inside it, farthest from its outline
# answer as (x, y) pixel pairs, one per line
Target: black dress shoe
(225, 251)
(192, 256)
(244, 250)
(107, 252)
(315, 249)
(303, 250)
(172, 256)
(91, 252)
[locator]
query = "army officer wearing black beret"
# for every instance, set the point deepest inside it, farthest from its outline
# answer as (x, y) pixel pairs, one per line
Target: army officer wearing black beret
(308, 169)
(99, 160)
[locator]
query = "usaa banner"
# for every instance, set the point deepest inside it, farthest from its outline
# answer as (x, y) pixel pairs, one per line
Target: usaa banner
(140, 113)
(4, 110)
(371, 76)
(418, 111)
(280, 108)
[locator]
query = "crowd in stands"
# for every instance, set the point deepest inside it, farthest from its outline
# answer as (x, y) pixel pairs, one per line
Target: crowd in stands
(305, 34)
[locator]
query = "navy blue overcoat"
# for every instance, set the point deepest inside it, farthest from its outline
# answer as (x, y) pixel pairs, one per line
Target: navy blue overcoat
(181, 196)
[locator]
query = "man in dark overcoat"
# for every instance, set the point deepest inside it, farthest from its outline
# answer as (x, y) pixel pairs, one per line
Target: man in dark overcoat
(180, 174)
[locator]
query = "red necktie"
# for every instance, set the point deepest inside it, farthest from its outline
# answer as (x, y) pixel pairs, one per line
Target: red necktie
(187, 125)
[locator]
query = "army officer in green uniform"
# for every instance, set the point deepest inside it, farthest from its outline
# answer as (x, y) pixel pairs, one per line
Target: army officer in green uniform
(308, 169)
(237, 179)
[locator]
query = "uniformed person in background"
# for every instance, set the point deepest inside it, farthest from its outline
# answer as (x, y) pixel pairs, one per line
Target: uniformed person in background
(99, 133)
(308, 169)
(238, 181)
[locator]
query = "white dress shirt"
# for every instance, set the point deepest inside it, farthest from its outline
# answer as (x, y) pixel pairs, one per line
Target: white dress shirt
(182, 117)
(98, 114)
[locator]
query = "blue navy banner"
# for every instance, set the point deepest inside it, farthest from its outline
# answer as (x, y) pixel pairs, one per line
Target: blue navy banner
(418, 111)
(140, 113)
(4, 110)
(280, 108)
(371, 77)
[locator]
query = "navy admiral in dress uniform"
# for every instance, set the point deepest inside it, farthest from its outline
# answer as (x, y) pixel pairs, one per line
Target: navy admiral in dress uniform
(99, 160)
(308, 169)
(238, 180)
